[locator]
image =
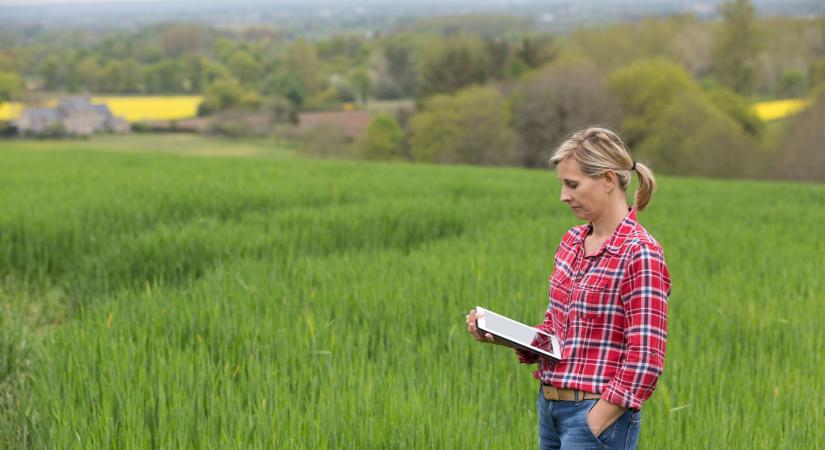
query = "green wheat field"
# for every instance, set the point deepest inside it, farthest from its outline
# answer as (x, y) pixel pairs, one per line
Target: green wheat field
(180, 293)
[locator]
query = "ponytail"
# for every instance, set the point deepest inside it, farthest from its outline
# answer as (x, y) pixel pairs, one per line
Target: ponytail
(647, 185)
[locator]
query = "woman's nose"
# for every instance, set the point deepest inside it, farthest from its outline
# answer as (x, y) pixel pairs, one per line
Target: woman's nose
(564, 197)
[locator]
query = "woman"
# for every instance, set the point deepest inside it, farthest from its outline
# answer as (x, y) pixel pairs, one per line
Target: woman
(608, 302)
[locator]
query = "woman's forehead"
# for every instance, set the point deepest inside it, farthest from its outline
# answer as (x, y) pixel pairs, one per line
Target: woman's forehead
(568, 169)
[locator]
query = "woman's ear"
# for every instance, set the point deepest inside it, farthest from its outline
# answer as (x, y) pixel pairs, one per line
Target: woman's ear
(609, 180)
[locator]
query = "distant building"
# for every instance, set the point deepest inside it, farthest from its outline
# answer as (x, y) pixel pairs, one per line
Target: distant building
(74, 116)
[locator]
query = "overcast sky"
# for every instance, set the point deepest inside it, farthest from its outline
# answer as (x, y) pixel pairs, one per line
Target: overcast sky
(68, 2)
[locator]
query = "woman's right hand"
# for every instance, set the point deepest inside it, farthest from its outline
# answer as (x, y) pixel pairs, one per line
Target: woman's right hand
(472, 329)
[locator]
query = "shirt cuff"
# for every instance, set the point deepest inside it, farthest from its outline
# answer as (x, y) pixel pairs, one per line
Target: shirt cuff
(525, 357)
(614, 394)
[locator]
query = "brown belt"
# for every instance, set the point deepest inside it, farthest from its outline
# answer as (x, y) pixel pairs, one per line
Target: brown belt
(554, 393)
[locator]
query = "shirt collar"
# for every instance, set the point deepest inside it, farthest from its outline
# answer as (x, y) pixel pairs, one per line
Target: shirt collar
(620, 234)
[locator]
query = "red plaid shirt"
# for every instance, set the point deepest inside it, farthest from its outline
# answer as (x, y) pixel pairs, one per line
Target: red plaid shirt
(609, 311)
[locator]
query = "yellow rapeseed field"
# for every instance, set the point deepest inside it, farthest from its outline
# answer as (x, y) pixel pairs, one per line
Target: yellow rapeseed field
(778, 109)
(133, 109)
(10, 110)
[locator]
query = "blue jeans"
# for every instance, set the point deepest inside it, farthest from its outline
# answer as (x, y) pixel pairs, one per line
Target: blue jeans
(563, 425)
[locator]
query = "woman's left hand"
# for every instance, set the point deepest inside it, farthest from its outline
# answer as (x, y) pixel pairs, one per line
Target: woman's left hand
(602, 415)
(472, 329)
(482, 337)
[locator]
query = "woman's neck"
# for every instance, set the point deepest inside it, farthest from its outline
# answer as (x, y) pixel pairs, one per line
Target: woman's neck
(609, 220)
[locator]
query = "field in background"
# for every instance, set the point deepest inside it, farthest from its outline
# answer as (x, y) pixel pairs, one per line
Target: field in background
(779, 109)
(164, 301)
(132, 108)
(137, 108)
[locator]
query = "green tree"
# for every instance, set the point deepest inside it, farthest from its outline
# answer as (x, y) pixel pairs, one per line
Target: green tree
(122, 77)
(10, 86)
(110, 78)
(737, 108)
(301, 61)
(537, 51)
(818, 72)
(736, 46)
(498, 55)
(645, 89)
(360, 82)
(280, 110)
(382, 139)
(793, 84)
(10, 60)
(693, 137)
(224, 48)
(346, 47)
(131, 77)
(211, 71)
(289, 86)
(470, 127)
(53, 72)
(89, 72)
(221, 94)
(400, 56)
(244, 67)
(166, 76)
(459, 62)
(556, 100)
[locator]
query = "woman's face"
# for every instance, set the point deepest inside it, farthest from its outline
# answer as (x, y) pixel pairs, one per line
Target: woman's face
(586, 196)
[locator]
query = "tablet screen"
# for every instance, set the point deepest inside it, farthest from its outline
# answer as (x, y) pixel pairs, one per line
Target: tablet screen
(518, 333)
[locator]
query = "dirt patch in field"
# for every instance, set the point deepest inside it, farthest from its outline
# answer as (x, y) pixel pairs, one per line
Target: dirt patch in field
(351, 123)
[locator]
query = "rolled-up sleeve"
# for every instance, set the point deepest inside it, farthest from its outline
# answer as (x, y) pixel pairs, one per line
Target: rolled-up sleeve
(645, 292)
(526, 357)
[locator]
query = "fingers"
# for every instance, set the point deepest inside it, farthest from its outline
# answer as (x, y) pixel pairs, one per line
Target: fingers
(471, 318)
(471, 323)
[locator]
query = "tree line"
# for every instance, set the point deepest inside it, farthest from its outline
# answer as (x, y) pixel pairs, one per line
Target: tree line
(486, 91)
(766, 57)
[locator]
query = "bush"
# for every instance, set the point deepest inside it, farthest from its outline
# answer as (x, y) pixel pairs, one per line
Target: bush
(227, 93)
(645, 90)
(693, 137)
(470, 127)
(737, 108)
(457, 63)
(280, 110)
(382, 139)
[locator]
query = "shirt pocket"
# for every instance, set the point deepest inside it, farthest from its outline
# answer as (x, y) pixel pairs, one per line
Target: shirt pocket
(560, 296)
(593, 302)
(560, 287)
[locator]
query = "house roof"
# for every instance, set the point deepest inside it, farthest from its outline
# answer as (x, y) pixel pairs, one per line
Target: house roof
(41, 114)
(104, 110)
(74, 103)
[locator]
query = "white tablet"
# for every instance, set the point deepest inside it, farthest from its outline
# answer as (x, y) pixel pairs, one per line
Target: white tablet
(517, 333)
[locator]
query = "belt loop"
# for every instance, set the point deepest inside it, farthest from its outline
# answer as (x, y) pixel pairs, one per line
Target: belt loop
(576, 397)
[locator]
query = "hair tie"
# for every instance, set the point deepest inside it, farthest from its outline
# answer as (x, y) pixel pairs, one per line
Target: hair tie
(634, 166)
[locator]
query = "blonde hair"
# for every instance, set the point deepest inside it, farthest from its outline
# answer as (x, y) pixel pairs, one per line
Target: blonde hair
(598, 150)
